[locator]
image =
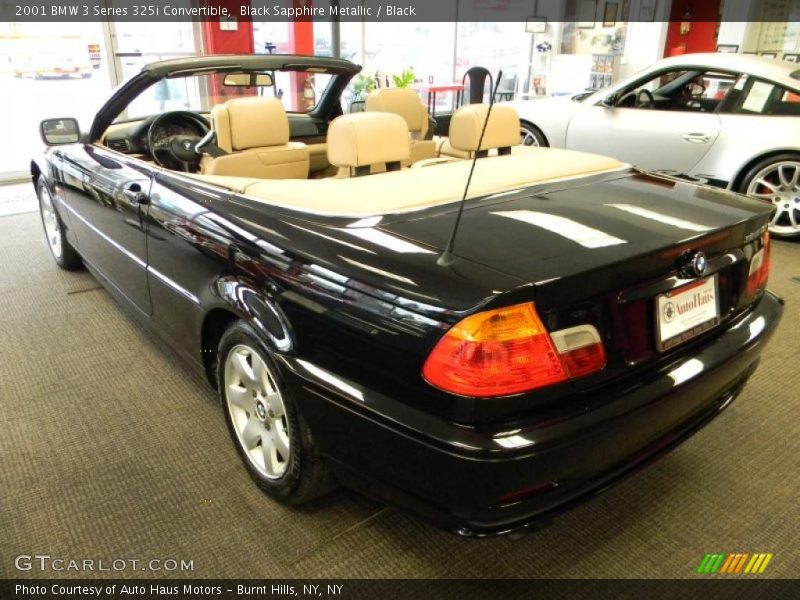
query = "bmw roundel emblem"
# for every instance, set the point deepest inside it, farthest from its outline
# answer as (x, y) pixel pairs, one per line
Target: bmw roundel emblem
(699, 263)
(695, 265)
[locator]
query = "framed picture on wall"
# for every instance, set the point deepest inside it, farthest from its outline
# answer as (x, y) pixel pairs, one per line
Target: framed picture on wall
(647, 10)
(728, 48)
(795, 58)
(536, 25)
(610, 14)
(769, 54)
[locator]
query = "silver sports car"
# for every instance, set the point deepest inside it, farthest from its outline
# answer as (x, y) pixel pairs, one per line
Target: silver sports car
(732, 120)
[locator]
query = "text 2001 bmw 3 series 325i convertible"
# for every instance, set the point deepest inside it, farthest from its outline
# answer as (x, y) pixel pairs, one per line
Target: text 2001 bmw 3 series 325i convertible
(589, 318)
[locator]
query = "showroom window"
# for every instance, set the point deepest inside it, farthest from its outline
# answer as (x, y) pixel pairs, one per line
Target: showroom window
(47, 70)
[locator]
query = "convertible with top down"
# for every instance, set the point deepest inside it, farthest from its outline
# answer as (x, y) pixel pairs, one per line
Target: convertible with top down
(480, 332)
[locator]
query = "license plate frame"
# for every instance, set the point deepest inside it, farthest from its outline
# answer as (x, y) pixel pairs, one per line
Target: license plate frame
(695, 321)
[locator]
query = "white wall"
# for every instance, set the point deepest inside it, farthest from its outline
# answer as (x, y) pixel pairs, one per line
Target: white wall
(644, 46)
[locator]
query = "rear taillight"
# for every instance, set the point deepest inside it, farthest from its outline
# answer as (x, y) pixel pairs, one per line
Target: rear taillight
(759, 268)
(581, 350)
(507, 351)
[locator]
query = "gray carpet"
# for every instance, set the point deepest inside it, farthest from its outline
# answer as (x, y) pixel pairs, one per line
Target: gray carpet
(111, 448)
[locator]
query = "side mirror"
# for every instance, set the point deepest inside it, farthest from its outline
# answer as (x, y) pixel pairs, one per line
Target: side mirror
(610, 101)
(56, 132)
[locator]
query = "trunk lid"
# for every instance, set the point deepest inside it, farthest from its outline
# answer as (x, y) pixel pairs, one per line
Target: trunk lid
(602, 252)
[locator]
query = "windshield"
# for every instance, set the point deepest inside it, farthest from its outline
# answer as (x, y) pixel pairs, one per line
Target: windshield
(298, 91)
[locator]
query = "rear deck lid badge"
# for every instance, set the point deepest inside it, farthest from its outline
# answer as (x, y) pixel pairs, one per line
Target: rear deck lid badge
(695, 265)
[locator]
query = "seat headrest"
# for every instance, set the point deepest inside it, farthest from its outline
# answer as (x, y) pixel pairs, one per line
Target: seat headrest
(367, 138)
(502, 131)
(252, 122)
(403, 102)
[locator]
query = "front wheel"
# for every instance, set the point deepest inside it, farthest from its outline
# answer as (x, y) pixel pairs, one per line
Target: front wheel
(266, 426)
(777, 180)
(63, 253)
(530, 135)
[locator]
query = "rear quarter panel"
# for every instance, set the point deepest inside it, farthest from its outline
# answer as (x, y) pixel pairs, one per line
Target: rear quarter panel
(551, 115)
(743, 139)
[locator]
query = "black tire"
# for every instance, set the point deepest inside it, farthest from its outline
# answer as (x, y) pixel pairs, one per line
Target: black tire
(306, 476)
(64, 255)
(782, 228)
(532, 135)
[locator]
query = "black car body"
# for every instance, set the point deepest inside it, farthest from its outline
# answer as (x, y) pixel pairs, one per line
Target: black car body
(350, 310)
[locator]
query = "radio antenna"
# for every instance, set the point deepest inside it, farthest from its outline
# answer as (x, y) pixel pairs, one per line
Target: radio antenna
(446, 257)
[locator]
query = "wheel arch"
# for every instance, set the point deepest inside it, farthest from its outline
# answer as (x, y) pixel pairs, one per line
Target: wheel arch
(523, 121)
(240, 300)
(737, 181)
(215, 323)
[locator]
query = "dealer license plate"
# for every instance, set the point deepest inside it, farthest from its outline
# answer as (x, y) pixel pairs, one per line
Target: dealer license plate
(686, 312)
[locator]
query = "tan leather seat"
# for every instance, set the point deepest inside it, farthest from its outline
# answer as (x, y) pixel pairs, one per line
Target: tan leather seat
(254, 131)
(368, 142)
(502, 131)
(407, 104)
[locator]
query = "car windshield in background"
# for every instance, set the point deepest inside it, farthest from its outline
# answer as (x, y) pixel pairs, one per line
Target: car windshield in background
(298, 91)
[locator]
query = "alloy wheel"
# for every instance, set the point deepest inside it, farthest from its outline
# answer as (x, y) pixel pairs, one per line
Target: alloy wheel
(257, 411)
(51, 225)
(779, 183)
(527, 137)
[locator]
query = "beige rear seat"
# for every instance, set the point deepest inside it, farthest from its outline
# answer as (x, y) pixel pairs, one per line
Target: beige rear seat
(502, 131)
(254, 131)
(407, 104)
(367, 142)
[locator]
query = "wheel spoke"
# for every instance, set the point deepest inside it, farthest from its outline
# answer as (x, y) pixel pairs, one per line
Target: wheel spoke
(280, 440)
(777, 217)
(245, 371)
(252, 432)
(271, 462)
(784, 180)
(276, 404)
(767, 184)
(260, 375)
(239, 396)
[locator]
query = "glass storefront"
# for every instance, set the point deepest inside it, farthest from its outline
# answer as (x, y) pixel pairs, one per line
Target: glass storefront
(47, 70)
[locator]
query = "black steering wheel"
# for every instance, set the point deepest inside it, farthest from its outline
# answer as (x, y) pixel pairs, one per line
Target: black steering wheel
(649, 101)
(172, 138)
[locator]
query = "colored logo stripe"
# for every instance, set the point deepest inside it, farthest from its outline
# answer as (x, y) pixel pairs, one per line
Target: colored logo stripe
(720, 562)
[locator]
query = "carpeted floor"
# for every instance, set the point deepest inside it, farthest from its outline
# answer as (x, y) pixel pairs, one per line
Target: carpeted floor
(110, 448)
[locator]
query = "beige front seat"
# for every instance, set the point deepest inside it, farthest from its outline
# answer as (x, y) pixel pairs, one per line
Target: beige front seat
(502, 131)
(406, 103)
(254, 131)
(367, 142)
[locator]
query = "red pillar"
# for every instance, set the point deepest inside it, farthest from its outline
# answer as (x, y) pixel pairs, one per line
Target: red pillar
(301, 41)
(223, 38)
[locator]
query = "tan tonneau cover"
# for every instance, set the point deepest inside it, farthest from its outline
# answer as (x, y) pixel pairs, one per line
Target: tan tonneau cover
(414, 189)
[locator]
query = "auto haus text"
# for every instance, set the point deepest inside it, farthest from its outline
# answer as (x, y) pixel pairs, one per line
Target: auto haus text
(309, 12)
(103, 591)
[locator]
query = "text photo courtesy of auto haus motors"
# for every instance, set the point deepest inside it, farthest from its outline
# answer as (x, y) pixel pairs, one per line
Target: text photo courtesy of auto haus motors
(356, 299)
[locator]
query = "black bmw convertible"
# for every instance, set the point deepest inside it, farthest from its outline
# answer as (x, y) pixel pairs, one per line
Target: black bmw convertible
(483, 333)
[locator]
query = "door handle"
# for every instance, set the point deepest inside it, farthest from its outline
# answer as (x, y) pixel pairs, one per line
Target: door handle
(135, 195)
(696, 138)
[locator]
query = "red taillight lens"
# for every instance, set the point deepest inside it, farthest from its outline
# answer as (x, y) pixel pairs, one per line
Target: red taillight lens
(581, 350)
(501, 352)
(759, 268)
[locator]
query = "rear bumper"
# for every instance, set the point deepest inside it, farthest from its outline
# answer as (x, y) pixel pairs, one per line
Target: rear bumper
(489, 482)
